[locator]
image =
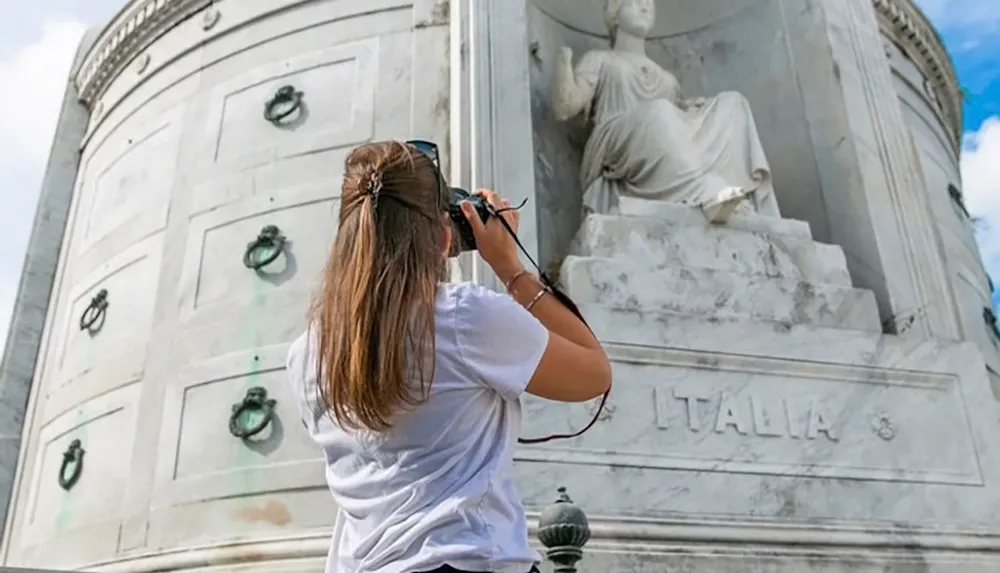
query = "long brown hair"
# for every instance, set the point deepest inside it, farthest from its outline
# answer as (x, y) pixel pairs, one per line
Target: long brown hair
(373, 316)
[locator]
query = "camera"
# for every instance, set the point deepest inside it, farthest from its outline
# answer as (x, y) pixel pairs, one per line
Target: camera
(466, 240)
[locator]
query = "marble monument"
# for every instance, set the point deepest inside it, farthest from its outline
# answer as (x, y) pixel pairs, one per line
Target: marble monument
(811, 390)
(648, 141)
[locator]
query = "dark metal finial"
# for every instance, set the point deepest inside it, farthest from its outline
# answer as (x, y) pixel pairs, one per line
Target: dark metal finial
(563, 529)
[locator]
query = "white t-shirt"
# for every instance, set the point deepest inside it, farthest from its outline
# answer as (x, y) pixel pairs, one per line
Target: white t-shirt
(437, 488)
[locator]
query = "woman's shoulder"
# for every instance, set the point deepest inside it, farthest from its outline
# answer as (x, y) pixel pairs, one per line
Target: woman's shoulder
(467, 292)
(471, 294)
(472, 303)
(299, 357)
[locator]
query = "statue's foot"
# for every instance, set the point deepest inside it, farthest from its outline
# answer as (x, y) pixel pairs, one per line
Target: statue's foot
(724, 204)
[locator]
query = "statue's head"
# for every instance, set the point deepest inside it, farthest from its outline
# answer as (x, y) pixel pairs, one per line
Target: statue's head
(633, 16)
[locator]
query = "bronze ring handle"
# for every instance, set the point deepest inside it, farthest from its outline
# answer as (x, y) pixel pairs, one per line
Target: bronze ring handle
(286, 101)
(270, 237)
(94, 312)
(255, 400)
(73, 454)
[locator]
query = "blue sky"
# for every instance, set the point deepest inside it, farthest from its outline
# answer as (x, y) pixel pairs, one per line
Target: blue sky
(38, 39)
(971, 30)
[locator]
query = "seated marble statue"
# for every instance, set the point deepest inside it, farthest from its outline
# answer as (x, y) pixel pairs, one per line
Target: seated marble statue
(647, 141)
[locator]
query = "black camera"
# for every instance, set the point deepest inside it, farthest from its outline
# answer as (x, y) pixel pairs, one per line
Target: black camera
(466, 240)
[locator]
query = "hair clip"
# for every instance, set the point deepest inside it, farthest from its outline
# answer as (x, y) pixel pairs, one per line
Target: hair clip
(373, 187)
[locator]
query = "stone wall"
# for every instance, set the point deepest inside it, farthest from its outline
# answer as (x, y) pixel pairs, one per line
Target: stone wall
(179, 171)
(930, 100)
(37, 276)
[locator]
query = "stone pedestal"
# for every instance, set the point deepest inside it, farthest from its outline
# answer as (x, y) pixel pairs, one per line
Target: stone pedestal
(760, 420)
(815, 75)
(666, 258)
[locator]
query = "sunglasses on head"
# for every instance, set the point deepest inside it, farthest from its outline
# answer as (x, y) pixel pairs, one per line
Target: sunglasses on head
(451, 203)
(430, 149)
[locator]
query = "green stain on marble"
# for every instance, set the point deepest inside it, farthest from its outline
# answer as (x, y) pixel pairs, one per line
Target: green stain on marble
(255, 327)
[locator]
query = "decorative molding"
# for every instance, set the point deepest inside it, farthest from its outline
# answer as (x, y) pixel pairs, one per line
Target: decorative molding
(141, 22)
(500, 151)
(131, 31)
(921, 283)
(902, 21)
(773, 537)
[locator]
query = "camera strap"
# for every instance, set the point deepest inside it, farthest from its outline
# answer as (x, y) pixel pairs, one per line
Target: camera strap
(564, 299)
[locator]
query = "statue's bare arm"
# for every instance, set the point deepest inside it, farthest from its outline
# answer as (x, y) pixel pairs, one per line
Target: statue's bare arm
(574, 89)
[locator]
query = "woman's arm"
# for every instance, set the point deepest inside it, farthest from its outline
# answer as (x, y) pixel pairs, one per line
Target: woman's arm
(573, 90)
(558, 359)
(574, 367)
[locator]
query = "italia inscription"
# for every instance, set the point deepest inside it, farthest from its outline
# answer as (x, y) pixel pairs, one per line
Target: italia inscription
(725, 412)
(911, 428)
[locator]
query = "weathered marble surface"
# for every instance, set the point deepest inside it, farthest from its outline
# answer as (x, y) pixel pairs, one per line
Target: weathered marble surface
(658, 242)
(178, 172)
(815, 75)
(750, 432)
(647, 140)
(29, 315)
(674, 260)
(859, 449)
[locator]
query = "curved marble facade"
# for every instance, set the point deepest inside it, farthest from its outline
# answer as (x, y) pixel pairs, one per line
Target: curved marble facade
(179, 171)
(931, 99)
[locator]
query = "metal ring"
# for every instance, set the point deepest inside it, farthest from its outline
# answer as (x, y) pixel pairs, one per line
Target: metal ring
(73, 454)
(255, 400)
(95, 312)
(284, 95)
(270, 237)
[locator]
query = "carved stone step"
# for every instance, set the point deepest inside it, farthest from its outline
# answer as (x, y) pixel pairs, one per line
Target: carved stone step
(664, 329)
(713, 294)
(662, 242)
(692, 216)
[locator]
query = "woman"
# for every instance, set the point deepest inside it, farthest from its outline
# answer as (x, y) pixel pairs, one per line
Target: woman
(647, 141)
(412, 385)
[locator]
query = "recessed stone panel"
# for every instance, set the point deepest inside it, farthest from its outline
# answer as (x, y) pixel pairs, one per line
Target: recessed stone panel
(202, 460)
(127, 185)
(701, 412)
(112, 352)
(218, 286)
(84, 515)
(335, 91)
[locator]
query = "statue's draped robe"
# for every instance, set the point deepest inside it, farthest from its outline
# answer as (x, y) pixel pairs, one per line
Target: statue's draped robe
(644, 145)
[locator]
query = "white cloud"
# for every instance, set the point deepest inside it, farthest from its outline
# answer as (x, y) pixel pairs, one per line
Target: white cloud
(33, 81)
(981, 186)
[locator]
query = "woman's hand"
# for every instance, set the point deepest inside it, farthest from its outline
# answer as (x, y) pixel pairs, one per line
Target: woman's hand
(494, 243)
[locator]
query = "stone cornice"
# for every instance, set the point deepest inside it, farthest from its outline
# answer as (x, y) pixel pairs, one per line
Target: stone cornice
(141, 22)
(131, 31)
(902, 21)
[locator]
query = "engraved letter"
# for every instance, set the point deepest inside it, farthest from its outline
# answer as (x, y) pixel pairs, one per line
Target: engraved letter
(660, 405)
(793, 424)
(764, 421)
(729, 414)
(694, 420)
(819, 421)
